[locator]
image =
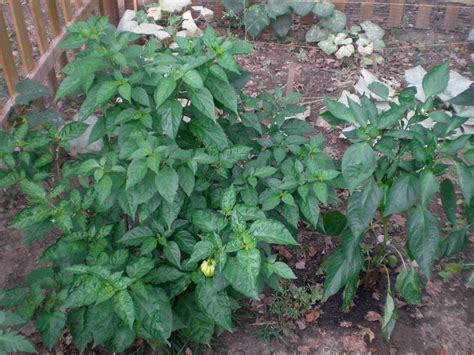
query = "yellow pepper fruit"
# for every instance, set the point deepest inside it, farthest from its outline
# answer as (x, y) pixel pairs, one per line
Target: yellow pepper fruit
(208, 267)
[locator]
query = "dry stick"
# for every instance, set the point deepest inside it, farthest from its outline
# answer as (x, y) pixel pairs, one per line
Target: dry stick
(291, 78)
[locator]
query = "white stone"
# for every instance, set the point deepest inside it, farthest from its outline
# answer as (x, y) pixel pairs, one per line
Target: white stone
(80, 145)
(174, 5)
(345, 51)
(154, 12)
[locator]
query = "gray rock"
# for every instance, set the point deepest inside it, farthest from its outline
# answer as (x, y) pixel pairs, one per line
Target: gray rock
(335, 23)
(316, 34)
(372, 31)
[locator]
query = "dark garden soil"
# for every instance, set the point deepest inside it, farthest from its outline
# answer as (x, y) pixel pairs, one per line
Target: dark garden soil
(442, 324)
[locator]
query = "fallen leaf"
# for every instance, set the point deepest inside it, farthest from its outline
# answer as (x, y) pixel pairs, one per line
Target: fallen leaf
(284, 252)
(312, 251)
(312, 315)
(433, 288)
(304, 350)
(300, 324)
(367, 331)
(372, 316)
(300, 265)
(355, 344)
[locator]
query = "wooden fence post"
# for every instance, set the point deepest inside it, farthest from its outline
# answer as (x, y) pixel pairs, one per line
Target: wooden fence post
(395, 15)
(22, 35)
(6, 58)
(110, 9)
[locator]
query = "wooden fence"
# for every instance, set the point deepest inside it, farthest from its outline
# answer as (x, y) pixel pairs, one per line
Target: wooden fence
(395, 10)
(49, 32)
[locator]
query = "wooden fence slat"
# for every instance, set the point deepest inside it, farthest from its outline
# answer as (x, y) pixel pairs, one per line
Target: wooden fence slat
(452, 12)
(22, 34)
(340, 4)
(54, 17)
(35, 7)
(66, 10)
(6, 58)
(395, 14)
(219, 9)
(423, 16)
(367, 10)
(46, 63)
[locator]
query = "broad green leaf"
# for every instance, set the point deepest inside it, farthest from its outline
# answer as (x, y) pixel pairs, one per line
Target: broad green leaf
(339, 111)
(171, 114)
(123, 337)
(210, 133)
(198, 326)
(186, 180)
(201, 251)
(33, 190)
(453, 243)
(390, 315)
(140, 268)
(136, 172)
(124, 307)
(228, 62)
(229, 198)
(9, 180)
(362, 206)
(125, 91)
(153, 311)
(283, 270)
(223, 92)
(310, 210)
(208, 221)
(242, 272)
(342, 266)
(30, 216)
(423, 238)
(193, 79)
(448, 200)
(294, 126)
(392, 117)
(11, 342)
(436, 80)
(51, 326)
(105, 92)
(104, 188)
(466, 181)
(140, 95)
(136, 236)
(359, 112)
(379, 89)
(165, 88)
(358, 164)
(402, 195)
(214, 303)
(273, 232)
(167, 183)
(409, 285)
(429, 186)
(9, 319)
(203, 101)
(70, 85)
(172, 253)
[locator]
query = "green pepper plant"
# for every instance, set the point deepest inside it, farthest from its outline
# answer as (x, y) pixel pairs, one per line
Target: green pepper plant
(171, 223)
(399, 160)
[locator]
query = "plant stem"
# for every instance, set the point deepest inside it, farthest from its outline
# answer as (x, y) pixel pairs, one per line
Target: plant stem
(378, 257)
